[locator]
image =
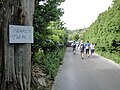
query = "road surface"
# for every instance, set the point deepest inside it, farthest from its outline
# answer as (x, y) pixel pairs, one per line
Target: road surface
(91, 73)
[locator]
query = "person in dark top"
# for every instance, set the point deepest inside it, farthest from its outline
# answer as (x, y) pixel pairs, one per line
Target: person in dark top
(74, 47)
(82, 49)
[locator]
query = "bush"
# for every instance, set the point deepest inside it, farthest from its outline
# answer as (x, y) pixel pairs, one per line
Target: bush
(48, 64)
(38, 56)
(113, 56)
(52, 61)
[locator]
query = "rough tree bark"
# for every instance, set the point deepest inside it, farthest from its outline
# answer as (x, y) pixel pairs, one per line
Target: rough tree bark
(15, 59)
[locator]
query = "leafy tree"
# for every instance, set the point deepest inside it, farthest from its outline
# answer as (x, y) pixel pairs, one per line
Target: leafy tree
(70, 37)
(43, 16)
(76, 37)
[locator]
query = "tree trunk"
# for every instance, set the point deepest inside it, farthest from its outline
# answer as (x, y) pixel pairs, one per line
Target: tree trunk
(15, 59)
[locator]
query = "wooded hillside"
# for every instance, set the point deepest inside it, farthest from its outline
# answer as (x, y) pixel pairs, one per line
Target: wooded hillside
(105, 31)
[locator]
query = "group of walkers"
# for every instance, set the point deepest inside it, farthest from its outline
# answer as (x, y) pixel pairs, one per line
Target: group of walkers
(85, 48)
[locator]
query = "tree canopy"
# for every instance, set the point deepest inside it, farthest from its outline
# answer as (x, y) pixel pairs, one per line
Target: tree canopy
(47, 23)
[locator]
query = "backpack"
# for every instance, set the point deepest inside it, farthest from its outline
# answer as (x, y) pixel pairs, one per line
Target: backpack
(82, 47)
(74, 45)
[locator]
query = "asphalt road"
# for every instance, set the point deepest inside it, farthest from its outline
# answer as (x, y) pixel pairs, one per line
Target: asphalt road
(91, 73)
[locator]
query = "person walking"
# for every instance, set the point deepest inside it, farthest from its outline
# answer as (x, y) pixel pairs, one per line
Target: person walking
(74, 47)
(92, 48)
(81, 46)
(87, 47)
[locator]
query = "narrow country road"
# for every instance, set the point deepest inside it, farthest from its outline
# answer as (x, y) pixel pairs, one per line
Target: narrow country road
(91, 73)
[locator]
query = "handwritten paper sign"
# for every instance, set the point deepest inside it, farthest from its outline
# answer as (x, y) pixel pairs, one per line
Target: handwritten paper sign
(20, 34)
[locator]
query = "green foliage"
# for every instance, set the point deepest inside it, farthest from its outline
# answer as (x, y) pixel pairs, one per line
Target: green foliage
(49, 65)
(52, 61)
(49, 36)
(70, 37)
(38, 56)
(58, 33)
(105, 32)
(1, 3)
(48, 29)
(76, 37)
(76, 34)
(113, 56)
(46, 19)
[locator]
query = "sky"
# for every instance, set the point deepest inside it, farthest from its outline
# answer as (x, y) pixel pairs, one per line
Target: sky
(79, 14)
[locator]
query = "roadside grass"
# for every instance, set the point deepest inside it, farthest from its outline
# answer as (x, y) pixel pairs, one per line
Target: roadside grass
(112, 56)
(49, 64)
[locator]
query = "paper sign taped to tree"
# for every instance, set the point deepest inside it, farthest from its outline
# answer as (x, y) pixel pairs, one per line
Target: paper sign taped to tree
(20, 34)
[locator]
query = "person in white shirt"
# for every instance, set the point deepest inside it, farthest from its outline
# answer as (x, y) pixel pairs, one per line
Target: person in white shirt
(92, 48)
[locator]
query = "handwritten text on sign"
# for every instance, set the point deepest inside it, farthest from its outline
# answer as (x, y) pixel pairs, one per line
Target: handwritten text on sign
(20, 34)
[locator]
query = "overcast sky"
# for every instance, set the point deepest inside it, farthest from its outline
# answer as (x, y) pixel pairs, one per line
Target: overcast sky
(81, 13)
